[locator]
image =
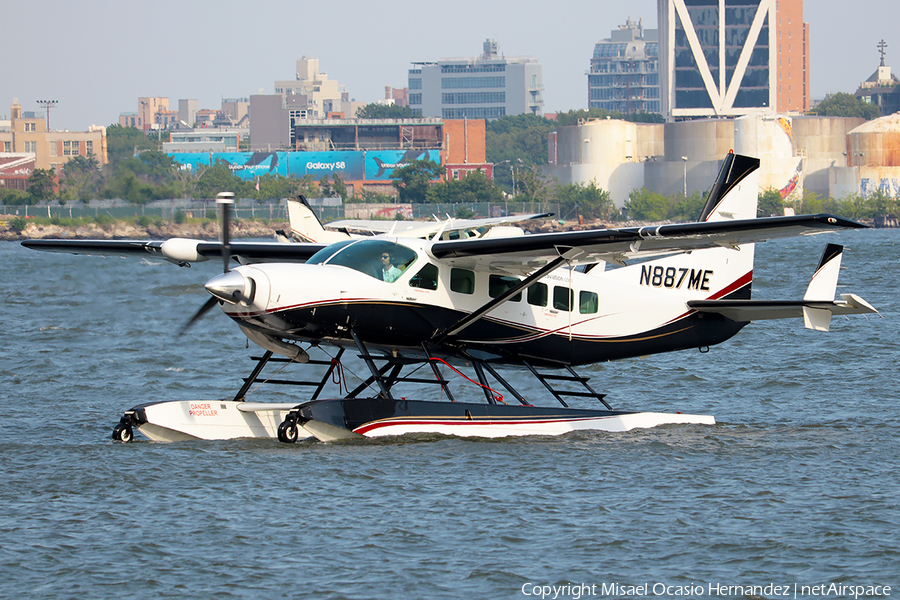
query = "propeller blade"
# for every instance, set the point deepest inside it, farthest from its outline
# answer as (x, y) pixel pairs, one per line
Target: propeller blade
(203, 310)
(225, 200)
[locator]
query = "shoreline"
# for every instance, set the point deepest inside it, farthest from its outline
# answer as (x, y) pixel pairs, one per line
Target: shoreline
(209, 230)
(121, 230)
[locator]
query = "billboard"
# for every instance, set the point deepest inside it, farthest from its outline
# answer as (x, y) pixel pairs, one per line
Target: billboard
(350, 165)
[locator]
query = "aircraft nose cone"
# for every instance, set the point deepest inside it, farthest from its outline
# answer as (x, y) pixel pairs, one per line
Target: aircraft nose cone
(229, 287)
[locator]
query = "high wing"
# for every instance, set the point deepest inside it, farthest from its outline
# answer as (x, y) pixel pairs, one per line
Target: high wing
(423, 229)
(522, 255)
(181, 251)
(305, 226)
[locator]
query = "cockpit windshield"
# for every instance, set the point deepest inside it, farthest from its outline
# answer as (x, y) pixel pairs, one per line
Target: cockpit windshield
(380, 259)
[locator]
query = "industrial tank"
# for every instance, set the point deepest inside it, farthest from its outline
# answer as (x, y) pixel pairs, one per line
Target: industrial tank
(771, 139)
(875, 143)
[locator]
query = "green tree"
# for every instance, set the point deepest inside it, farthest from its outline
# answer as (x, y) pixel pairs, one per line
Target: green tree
(219, 178)
(82, 179)
(131, 189)
(688, 209)
(474, 187)
(881, 204)
(533, 186)
(573, 117)
(126, 142)
(588, 201)
(371, 197)
(413, 179)
(276, 186)
(843, 104)
(340, 188)
(644, 205)
(514, 138)
(770, 204)
(41, 186)
(813, 203)
(14, 197)
(854, 206)
(385, 111)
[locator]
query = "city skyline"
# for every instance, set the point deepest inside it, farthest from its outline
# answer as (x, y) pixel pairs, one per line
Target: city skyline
(96, 60)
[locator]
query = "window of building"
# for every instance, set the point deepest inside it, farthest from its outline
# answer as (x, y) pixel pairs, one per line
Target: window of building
(499, 284)
(31, 147)
(473, 98)
(474, 112)
(7, 146)
(462, 281)
(89, 147)
(463, 83)
(473, 68)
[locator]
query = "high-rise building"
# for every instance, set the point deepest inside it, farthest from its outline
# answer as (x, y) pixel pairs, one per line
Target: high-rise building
(793, 56)
(485, 87)
(624, 73)
(722, 57)
(312, 94)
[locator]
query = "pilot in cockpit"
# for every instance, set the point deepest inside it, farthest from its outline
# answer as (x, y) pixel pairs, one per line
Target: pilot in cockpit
(389, 272)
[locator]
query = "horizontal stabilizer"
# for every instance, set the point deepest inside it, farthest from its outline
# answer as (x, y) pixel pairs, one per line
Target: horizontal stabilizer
(816, 308)
(812, 311)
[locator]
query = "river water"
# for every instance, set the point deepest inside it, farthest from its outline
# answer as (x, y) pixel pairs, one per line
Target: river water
(796, 486)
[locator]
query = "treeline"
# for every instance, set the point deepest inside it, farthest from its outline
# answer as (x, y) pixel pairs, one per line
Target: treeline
(138, 172)
(644, 205)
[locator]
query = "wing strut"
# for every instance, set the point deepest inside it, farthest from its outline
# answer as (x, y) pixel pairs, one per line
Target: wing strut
(566, 253)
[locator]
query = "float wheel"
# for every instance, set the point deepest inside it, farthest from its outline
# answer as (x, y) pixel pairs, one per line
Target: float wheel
(123, 433)
(287, 432)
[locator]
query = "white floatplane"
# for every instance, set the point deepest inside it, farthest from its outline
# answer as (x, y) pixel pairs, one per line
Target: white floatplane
(542, 303)
(306, 227)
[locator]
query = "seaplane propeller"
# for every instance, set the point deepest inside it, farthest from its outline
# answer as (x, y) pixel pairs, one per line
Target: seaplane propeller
(228, 287)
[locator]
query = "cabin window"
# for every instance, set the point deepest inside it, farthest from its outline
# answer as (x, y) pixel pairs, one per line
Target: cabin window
(462, 281)
(588, 303)
(499, 284)
(537, 294)
(327, 252)
(563, 298)
(380, 259)
(426, 278)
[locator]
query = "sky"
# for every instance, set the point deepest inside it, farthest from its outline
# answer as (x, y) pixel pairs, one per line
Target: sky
(96, 58)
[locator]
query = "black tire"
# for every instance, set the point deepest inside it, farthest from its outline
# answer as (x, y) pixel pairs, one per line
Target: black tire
(123, 433)
(287, 432)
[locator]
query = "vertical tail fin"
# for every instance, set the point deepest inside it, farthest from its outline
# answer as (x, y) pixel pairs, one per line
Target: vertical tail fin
(306, 225)
(822, 286)
(735, 193)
